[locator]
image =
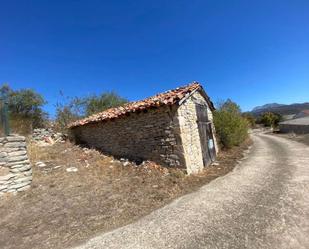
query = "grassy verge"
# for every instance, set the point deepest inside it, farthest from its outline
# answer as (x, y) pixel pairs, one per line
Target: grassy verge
(65, 208)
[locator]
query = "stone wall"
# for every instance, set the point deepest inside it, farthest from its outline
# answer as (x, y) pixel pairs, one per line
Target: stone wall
(298, 129)
(150, 135)
(189, 132)
(15, 167)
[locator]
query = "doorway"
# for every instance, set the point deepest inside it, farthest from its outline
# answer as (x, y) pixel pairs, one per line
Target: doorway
(206, 135)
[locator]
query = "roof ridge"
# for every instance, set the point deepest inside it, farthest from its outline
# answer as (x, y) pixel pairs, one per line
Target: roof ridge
(168, 97)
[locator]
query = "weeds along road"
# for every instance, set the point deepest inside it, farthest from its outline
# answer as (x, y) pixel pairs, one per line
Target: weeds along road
(263, 203)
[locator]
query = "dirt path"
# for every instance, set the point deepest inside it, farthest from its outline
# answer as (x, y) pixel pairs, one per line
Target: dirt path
(64, 209)
(263, 203)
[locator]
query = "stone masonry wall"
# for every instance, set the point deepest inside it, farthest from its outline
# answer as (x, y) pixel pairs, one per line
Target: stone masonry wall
(190, 134)
(15, 167)
(153, 135)
(298, 129)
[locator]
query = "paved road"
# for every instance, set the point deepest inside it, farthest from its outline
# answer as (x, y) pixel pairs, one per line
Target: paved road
(263, 203)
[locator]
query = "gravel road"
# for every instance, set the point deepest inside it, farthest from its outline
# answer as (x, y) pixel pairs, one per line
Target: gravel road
(263, 203)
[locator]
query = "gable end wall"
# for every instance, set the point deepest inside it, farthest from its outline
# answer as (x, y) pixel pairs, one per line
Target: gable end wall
(189, 132)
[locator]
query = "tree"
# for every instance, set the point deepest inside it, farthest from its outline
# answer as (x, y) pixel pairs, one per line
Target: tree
(95, 104)
(72, 109)
(26, 104)
(230, 106)
(270, 119)
(231, 127)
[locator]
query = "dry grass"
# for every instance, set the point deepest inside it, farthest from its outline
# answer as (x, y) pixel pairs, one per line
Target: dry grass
(63, 209)
(302, 138)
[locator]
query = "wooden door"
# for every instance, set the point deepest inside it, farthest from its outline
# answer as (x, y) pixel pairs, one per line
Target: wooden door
(206, 135)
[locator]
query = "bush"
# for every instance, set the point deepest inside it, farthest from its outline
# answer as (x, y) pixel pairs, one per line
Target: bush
(231, 127)
(72, 109)
(250, 118)
(270, 119)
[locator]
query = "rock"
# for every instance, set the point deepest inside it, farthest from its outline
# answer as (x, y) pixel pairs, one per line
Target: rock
(11, 191)
(9, 149)
(215, 164)
(23, 179)
(14, 170)
(17, 158)
(18, 153)
(24, 168)
(126, 164)
(5, 182)
(24, 188)
(17, 166)
(2, 187)
(40, 164)
(15, 144)
(18, 162)
(27, 173)
(46, 137)
(72, 169)
(3, 154)
(16, 139)
(3, 159)
(19, 185)
(6, 177)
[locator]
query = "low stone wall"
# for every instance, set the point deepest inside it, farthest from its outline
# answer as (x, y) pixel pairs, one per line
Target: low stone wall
(151, 135)
(15, 167)
(298, 129)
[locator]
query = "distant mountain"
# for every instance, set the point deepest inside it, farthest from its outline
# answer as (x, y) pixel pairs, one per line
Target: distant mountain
(267, 106)
(280, 108)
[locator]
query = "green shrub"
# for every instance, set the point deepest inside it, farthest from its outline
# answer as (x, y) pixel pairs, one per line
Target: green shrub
(270, 119)
(250, 118)
(25, 110)
(231, 127)
(72, 109)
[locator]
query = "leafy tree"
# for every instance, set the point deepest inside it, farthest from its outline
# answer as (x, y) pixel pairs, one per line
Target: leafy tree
(230, 106)
(270, 119)
(231, 127)
(95, 104)
(79, 107)
(26, 104)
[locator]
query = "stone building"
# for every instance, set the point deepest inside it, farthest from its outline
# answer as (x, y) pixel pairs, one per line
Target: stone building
(173, 129)
(298, 126)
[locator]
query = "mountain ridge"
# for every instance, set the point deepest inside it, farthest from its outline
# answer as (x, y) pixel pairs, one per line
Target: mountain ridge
(281, 109)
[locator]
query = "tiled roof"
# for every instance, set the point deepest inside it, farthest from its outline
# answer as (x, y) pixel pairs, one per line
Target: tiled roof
(297, 121)
(305, 111)
(167, 98)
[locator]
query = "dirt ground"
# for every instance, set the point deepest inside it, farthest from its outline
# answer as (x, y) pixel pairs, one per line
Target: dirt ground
(302, 138)
(65, 208)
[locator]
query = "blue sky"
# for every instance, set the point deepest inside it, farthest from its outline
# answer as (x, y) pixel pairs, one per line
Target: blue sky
(253, 52)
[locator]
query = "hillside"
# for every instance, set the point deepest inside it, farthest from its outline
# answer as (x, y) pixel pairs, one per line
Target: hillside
(280, 108)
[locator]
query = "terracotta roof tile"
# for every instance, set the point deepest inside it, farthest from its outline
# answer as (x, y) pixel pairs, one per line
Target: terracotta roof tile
(305, 111)
(167, 98)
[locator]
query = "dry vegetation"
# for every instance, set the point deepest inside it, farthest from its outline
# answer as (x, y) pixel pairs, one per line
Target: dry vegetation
(65, 208)
(302, 138)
